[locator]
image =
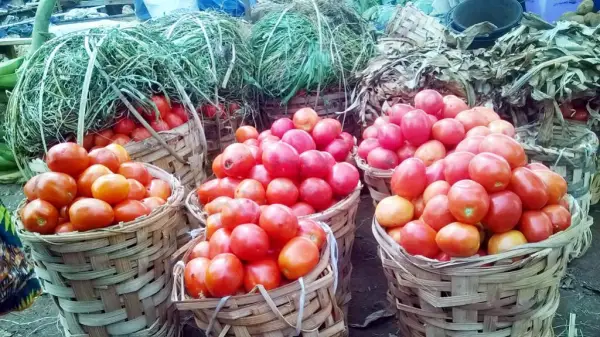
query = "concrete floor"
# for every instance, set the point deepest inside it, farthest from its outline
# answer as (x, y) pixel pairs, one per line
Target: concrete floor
(578, 296)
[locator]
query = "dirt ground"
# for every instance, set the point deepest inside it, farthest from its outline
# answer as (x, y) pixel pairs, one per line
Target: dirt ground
(580, 293)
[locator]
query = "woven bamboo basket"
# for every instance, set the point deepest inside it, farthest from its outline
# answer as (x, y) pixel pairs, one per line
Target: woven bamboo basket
(377, 180)
(415, 27)
(341, 218)
(114, 281)
(306, 306)
(572, 154)
(489, 296)
(220, 133)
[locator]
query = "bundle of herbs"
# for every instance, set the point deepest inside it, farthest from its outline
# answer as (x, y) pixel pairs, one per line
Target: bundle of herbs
(80, 82)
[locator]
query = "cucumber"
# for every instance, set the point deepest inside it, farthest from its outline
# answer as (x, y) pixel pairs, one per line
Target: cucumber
(11, 66)
(8, 81)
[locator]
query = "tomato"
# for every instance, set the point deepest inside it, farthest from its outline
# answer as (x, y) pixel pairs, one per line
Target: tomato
(105, 157)
(417, 238)
(208, 191)
(325, 131)
(279, 222)
(173, 121)
(281, 126)
(416, 127)
(194, 277)
(260, 173)
(224, 275)
(349, 139)
(435, 171)
(88, 213)
(430, 101)
(312, 231)
(395, 234)
(453, 106)
(59, 189)
(130, 210)
(256, 153)
(439, 187)
(529, 187)
(264, 272)
(201, 249)
(89, 176)
(88, 141)
(409, 179)
(491, 171)
(282, 191)
(159, 125)
(137, 191)
(305, 119)
(239, 211)
(120, 139)
(343, 179)
(39, 216)
(436, 213)
(471, 118)
(216, 206)
(213, 224)
(300, 140)
(394, 211)
(456, 166)
(448, 131)
(478, 131)
(458, 239)
(30, 188)
(163, 106)
(140, 133)
(536, 226)
(243, 133)
(158, 188)
(311, 165)
(317, 193)
(281, 160)
(328, 160)
(68, 158)
(381, 121)
(489, 114)
(338, 149)
(219, 242)
(228, 185)
(430, 152)
(179, 111)
(559, 216)
(406, 151)
(419, 206)
(153, 203)
(210, 111)
(470, 144)
(65, 227)
(505, 147)
(468, 201)
(135, 171)
(503, 127)
(556, 186)
(371, 132)
(302, 209)
(298, 257)
(112, 188)
(504, 212)
(564, 202)
(500, 243)
(249, 242)
(237, 160)
(382, 159)
(102, 138)
(217, 166)
(581, 115)
(390, 136)
(253, 142)
(537, 166)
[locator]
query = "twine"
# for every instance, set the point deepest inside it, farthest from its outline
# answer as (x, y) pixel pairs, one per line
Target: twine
(214, 315)
(334, 252)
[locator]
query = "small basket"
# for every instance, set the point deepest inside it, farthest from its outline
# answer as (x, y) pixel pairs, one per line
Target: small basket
(377, 180)
(113, 281)
(470, 297)
(417, 28)
(306, 305)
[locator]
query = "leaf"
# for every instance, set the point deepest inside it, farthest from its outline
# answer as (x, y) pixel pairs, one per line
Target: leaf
(375, 316)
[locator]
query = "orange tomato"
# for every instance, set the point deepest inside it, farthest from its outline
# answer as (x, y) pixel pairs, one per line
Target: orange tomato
(59, 189)
(216, 206)
(458, 239)
(243, 133)
(251, 189)
(137, 191)
(217, 167)
(68, 158)
(120, 139)
(104, 156)
(213, 224)
(103, 138)
(298, 257)
(120, 152)
(130, 210)
(312, 231)
(503, 242)
(394, 233)
(30, 189)
(87, 178)
(200, 250)
(194, 277)
(556, 186)
(208, 191)
(135, 171)
(158, 188)
(88, 213)
(153, 203)
(66, 227)
(39, 216)
(112, 188)
(394, 211)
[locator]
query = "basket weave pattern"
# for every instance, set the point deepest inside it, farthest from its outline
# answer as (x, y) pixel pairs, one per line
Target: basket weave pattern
(414, 26)
(512, 294)
(113, 281)
(378, 181)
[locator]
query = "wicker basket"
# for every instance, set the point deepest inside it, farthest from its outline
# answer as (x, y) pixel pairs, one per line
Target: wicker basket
(340, 218)
(114, 281)
(220, 133)
(377, 180)
(417, 28)
(464, 297)
(307, 307)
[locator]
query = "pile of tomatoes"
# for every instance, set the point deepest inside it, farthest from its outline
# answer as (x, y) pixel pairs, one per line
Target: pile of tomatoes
(253, 245)
(298, 163)
(85, 191)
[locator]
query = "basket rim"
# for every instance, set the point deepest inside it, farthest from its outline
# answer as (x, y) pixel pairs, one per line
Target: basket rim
(168, 135)
(524, 133)
(174, 201)
(371, 171)
(474, 263)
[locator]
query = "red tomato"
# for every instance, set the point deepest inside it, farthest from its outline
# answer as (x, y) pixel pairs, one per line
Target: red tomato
(140, 133)
(282, 191)
(216, 206)
(173, 121)
(303, 209)
(65, 227)
(435, 171)
(505, 147)
(491, 171)
(224, 275)
(381, 121)
(312, 231)
(436, 213)
(251, 189)
(179, 111)
(243, 133)
(325, 131)
(305, 119)
(537, 166)
(368, 145)
(430, 152)
(213, 224)
(559, 216)
(281, 160)
(30, 188)
(453, 106)
(448, 131)
(536, 226)
(162, 105)
(397, 111)
(382, 159)
(503, 127)
(279, 222)
(88, 141)
(249, 242)
(503, 242)
(194, 277)
(129, 210)
(406, 151)
(88, 214)
(201, 249)
(430, 101)
(228, 185)
(260, 173)
(504, 212)
(239, 211)
(556, 186)
(102, 138)
(471, 118)
(316, 192)
(478, 131)
(256, 153)
(298, 257)
(120, 139)
(158, 188)
(390, 136)
(416, 127)
(300, 140)
(68, 158)
(489, 114)
(349, 139)
(135, 171)
(265, 272)
(219, 242)
(468, 201)
(458, 239)
(281, 126)
(439, 187)
(394, 211)
(417, 238)
(237, 160)
(343, 179)
(529, 187)
(470, 144)
(338, 149)
(59, 189)
(456, 166)
(159, 125)
(371, 132)
(409, 179)
(124, 126)
(39, 216)
(137, 191)
(153, 203)
(217, 166)
(311, 165)
(208, 191)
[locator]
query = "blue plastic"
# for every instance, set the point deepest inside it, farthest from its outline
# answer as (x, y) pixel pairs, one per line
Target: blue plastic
(551, 10)
(141, 12)
(231, 7)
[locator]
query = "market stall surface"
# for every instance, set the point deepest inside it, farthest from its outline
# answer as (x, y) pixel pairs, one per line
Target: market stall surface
(580, 293)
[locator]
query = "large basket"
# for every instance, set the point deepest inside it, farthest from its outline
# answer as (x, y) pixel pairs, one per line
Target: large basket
(470, 297)
(306, 305)
(573, 156)
(340, 218)
(377, 180)
(114, 281)
(219, 134)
